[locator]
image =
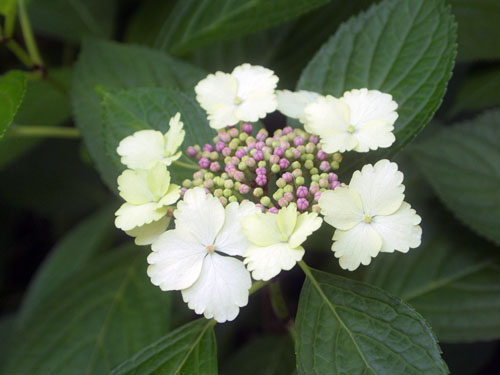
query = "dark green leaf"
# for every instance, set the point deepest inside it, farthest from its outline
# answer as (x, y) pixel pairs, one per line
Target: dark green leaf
(477, 27)
(70, 255)
(96, 319)
(70, 20)
(452, 280)
(194, 23)
(116, 66)
(348, 327)
(403, 47)
(128, 111)
(12, 88)
(190, 349)
(462, 163)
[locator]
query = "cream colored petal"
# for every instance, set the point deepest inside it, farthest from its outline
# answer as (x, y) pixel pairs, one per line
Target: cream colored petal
(221, 289)
(326, 116)
(130, 216)
(231, 239)
(175, 135)
(267, 262)
(286, 220)
(149, 233)
(176, 260)
(370, 105)
(168, 160)
(372, 135)
(200, 213)
(341, 207)
(261, 229)
(158, 178)
(292, 104)
(133, 187)
(356, 246)
(380, 187)
(216, 95)
(307, 223)
(338, 142)
(399, 231)
(141, 149)
(171, 196)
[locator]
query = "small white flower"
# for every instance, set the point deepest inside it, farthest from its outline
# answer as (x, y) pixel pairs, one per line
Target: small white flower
(146, 147)
(147, 193)
(149, 233)
(187, 258)
(361, 120)
(370, 216)
(247, 94)
(292, 104)
(276, 240)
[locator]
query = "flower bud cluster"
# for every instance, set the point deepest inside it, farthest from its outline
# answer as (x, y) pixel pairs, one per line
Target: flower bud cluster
(271, 170)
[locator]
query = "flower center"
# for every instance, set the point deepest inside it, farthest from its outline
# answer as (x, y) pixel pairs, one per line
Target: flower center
(283, 237)
(367, 218)
(237, 100)
(351, 129)
(210, 249)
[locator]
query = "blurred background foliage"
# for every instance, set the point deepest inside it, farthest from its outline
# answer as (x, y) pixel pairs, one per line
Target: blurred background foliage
(57, 211)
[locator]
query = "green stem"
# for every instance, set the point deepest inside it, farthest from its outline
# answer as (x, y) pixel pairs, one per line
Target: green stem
(43, 131)
(17, 50)
(291, 330)
(258, 285)
(186, 165)
(278, 301)
(29, 38)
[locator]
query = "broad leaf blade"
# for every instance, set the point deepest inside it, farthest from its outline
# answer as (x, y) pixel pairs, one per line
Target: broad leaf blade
(190, 349)
(402, 47)
(194, 23)
(128, 111)
(348, 327)
(117, 66)
(462, 163)
(93, 321)
(12, 88)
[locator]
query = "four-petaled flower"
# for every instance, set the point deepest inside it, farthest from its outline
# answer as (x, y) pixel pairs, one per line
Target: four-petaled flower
(144, 148)
(370, 216)
(247, 94)
(276, 240)
(361, 120)
(189, 258)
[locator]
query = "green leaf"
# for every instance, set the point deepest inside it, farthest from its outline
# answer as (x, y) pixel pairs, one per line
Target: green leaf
(452, 280)
(194, 23)
(190, 349)
(477, 24)
(402, 47)
(348, 327)
(128, 111)
(462, 165)
(479, 91)
(116, 67)
(70, 20)
(93, 321)
(265, 355)
(70, 255)
(12, 88)
(42, 105)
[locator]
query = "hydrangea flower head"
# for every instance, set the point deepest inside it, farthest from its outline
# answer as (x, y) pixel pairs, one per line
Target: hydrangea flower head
(292, 104)
(370, 216)
(198, 256)
(145, 147)
(246, 94)
(276, 240)
(361, 120)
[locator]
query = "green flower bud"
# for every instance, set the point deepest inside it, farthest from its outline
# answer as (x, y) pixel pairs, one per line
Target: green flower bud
(299, 181)
(208, 183)
(227, 193)
(296, 165)
(237, 185)
(257, 192)
(275, 143)
(187, 183)
(245, 157)
(323, 175)
(262, 163)
(228, 184)
(310, 147)
(205, 154)
(289, 154)
(278, 194)
(218, 193)
(280, 182)
(223, 200)
(278, 132)
(243, 136)
(197, 148)
(275, 168)
(297, 172)
(232, 198)
(233, 145)
(242, 165)
(309, 157)
(265, 201)
(337, 157)
(227, 160)
(309, 164)
(323, 183)
(214, 155)
(209, 175)
(198, 182)
(314, 171)
(335, 164)
(224, 176)
(315, 177)
(288, 189)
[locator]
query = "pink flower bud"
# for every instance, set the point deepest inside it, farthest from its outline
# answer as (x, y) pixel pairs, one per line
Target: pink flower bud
(261, 180)
(302, 204)
(226, 151)
(335, 184)
(279, 151)
(215, 166)
(302, 192)
(297, 141)
(233, 132)
(332, 177)
(244, 189)
(283, 202)
(219, 146)
(314, 139)
(208, 147)
(288, 196)
(288, 177)
(259, 145)
(258, 155)
(261, 171)
(284, 163)
(287, 130)
(261, 136)
(240, 153)
(224, 137)
(191, 151)
(317, 195)
(250, 162)
(321, 155)
(324, 166)
(274, 159)
(314, 189)
(273, 210)
(247, 128)
(204, 163)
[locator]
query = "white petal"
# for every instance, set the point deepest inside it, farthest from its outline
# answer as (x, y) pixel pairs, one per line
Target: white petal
(261, 229)
(356, 246)
(221, 289)
(231, 239)
(266, 262)
(176, 260)
(149, 233)
(372, 135)
(399, 231)
(141, 149)
(325, 116)
(380, 187)
(307, 223)
(201, 213)
(175, 136)
(369, 105)
(133, 186)
(158, 178)
(287, 219)
(130, 216)
(341, 207)
(292, 104)
(216, 95)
